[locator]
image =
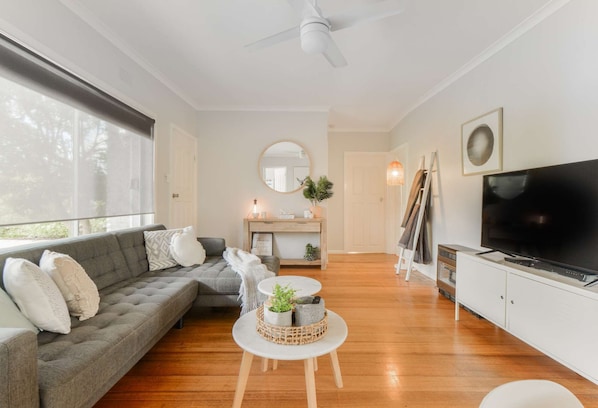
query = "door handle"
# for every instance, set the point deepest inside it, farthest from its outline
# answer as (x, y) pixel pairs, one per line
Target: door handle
(175, 195)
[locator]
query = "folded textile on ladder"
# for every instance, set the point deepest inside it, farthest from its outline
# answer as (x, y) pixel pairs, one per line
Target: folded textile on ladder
(251, 270)
(422, 253)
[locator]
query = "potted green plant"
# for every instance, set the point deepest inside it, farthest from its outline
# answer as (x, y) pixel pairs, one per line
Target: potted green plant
(279, 310)
(311, 253)
(317, 192)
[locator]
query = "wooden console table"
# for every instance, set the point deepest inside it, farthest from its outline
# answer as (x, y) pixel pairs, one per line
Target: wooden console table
(298, 225)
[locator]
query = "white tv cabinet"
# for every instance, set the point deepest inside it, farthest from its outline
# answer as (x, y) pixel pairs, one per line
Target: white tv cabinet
(554, 314)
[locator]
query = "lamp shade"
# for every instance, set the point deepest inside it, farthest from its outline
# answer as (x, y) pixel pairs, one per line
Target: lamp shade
(395, 174)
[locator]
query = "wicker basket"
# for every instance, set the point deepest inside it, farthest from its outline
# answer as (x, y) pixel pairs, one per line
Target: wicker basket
(293, 335)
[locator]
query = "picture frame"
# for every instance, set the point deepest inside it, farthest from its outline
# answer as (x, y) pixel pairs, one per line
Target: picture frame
(262, 243)
(481, 143)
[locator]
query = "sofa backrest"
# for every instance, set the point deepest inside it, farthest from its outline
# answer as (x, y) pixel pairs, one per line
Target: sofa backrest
(99, 254)
(132, 244)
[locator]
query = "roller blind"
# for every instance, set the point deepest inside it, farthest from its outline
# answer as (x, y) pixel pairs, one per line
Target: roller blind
(68, 150)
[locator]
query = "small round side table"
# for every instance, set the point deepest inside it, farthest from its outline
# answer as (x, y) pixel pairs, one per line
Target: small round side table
(247, 337)
(303, 285)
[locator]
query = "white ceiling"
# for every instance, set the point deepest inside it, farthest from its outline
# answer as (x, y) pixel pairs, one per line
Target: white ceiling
(196, 47)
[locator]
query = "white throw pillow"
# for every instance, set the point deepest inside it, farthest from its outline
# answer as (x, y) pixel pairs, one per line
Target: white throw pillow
(37, 295)
(77, 288)
(11, 316)
(186, 249)
(157, 247)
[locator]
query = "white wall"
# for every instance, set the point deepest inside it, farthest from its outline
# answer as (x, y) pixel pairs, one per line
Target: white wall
(230, 144)
(547, 83)
(51, 29)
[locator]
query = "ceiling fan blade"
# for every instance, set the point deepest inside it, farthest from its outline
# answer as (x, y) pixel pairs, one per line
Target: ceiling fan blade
(334, 56)
(305, 8)
(364, 14)
(274, 39)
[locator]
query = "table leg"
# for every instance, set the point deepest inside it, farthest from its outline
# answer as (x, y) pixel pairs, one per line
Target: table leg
(242, 380)
(310, 383)
(315, 363)
(264, 364)
(274, 364)
(336, 369)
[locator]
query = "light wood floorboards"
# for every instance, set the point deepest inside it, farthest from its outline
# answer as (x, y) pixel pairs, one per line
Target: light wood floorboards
(404, 349)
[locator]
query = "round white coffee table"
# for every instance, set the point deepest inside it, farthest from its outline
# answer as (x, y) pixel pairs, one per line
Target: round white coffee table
(303, 285)
(247, 337)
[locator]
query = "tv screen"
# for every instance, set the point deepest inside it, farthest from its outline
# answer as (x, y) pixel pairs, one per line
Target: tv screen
(548, 213)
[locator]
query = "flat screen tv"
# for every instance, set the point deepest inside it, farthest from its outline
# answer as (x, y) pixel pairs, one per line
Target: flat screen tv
(549, 214)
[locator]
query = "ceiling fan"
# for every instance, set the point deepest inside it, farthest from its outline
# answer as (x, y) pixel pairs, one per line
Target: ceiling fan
(314, 29)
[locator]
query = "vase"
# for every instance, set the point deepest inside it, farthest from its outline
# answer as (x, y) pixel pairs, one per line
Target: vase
(284, 319)
(316, 210)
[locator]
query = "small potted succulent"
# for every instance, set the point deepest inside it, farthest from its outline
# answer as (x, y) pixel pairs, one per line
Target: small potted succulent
(279, 309)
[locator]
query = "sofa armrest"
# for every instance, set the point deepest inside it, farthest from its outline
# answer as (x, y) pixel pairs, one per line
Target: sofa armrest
(18, 368)
(271, 262)
(213, 246)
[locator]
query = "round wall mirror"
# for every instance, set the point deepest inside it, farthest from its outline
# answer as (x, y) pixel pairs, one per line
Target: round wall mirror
(283, 166)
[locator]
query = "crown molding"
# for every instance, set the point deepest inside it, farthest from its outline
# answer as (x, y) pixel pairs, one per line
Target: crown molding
(358, 130)
(265, 108)
(522, 28)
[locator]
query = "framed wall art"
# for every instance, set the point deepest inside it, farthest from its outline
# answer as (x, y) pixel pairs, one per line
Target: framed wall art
(481, 144)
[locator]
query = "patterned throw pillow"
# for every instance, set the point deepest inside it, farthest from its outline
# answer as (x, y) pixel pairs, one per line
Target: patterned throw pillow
(157, 247)
(77, 288)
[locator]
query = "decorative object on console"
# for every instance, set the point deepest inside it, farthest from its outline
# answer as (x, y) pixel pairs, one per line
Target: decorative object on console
(262, 243)
(317, 192)
(255, 212)
(286, 214)
(395, 174)
(311, 252)
(481, 143)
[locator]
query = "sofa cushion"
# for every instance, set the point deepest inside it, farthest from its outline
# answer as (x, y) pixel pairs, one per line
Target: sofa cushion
(11, 316)
(133, 315)
(37, 295)
(185, 248)
(77, 288)
(132, 244)
(99, 254)
(157, 246)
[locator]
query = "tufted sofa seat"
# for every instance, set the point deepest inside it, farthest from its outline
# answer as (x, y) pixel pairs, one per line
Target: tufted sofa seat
(137, 308)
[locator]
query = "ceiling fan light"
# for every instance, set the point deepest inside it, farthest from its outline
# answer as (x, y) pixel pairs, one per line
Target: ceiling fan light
(315, 37)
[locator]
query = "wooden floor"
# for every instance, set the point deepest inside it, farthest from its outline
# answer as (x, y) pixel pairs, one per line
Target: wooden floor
(404, 349)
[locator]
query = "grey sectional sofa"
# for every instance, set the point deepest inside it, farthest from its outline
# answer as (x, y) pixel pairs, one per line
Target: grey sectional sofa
(137, 308)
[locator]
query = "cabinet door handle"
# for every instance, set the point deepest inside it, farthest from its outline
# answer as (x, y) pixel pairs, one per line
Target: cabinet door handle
(512, 302)
(502, 297)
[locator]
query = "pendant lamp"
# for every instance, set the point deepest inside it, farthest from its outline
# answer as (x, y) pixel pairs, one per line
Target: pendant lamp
(395, 174)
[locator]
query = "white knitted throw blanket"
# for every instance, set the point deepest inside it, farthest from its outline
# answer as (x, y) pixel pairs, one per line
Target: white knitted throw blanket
(252, 271)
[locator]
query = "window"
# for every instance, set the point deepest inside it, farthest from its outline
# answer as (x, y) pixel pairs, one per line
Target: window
(72, 158)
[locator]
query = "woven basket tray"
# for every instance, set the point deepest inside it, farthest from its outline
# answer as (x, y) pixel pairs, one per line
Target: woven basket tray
(293, 335)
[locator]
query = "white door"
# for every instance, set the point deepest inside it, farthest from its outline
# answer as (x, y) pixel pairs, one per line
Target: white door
(183, 179)
(365, 195)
